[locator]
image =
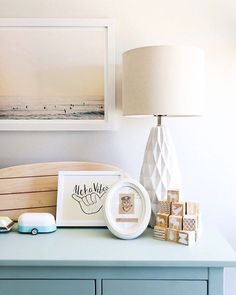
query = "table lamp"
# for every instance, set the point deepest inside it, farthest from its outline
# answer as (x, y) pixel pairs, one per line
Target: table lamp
(162, 81)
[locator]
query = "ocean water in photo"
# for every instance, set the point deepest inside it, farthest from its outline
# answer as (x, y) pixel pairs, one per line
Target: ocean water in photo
(92, 110)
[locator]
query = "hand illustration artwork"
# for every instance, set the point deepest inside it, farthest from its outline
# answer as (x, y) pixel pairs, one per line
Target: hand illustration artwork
(90, 203)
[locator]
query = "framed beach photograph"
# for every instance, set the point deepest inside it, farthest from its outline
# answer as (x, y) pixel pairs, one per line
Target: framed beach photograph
(127, 209)
(57, 74)
(81, 196)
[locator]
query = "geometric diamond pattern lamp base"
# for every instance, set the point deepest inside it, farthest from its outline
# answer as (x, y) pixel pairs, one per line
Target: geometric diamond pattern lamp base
(160, 170)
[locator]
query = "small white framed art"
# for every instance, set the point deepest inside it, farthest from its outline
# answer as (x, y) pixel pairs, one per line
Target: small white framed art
(127, 209)
(81, 196)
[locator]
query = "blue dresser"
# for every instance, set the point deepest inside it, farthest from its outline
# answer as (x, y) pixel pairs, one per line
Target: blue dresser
(86, 261)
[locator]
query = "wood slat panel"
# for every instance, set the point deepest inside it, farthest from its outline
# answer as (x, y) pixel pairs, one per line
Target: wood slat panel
(52, 168)
(14, 214)
(33, 187)
(28, 200)
(31, 184)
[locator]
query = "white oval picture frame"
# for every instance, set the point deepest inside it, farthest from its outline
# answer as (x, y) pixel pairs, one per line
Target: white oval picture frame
(127, 209)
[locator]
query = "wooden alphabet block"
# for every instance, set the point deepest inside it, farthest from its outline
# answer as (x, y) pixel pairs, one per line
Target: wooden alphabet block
(172, 235)
(173, 195)
(192, 208)
(162, 219)
(178, 209)
(176, 222)
(164, 207)
(190, 223)
(186, 237)
(159, 233)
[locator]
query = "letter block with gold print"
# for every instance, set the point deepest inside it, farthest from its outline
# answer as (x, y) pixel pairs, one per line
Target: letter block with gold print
(178, 208)
(162, 220)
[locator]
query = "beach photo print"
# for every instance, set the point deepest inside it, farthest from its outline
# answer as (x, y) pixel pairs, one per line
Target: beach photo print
(54, 74)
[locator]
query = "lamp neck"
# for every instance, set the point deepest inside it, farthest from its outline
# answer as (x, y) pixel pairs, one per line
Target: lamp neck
(159, 118)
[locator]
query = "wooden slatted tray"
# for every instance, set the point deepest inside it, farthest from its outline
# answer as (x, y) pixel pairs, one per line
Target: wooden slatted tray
(33, 187)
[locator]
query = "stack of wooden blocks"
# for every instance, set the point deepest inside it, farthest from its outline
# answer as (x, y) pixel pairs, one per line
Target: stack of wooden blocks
(177, 221)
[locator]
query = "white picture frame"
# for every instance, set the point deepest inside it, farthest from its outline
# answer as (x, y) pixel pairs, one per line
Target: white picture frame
(81, 195)
(127, 209)
(61, 71)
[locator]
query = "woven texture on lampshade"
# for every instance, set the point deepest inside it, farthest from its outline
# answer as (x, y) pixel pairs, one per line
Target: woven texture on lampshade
(163, 80)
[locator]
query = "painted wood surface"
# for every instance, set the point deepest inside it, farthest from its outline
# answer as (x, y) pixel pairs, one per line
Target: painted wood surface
(151, 287)
(98, 247)
(52, 287)
(33, 187)
(216, 281)
(82, 261)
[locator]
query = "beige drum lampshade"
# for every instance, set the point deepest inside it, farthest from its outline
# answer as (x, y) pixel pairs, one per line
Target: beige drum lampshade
(163, 80)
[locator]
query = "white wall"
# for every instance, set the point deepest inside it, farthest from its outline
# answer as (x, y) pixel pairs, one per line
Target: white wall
(206, 147)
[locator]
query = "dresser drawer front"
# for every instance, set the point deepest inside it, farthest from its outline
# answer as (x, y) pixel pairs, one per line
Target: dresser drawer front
(42, 287)
(152, 287)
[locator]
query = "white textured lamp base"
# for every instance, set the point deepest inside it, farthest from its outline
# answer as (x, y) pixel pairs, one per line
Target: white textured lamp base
(160, 170)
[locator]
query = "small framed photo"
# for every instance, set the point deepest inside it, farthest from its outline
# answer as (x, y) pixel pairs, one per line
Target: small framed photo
(81, 196)
(127, 209)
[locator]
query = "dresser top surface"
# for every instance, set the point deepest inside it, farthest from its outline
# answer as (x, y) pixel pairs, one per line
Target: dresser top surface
(98, 247)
